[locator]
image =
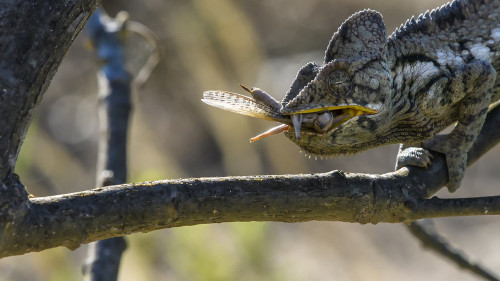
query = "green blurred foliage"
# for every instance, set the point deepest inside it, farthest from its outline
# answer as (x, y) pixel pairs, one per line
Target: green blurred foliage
(217, 45)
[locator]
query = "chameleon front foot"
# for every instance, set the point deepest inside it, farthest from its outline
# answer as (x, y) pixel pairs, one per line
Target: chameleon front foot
(413, 156)
(422, 157)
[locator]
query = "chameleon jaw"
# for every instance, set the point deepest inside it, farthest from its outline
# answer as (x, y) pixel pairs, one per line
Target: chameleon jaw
(317, 121)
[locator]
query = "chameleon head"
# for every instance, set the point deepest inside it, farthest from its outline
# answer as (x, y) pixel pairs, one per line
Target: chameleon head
(336, 107)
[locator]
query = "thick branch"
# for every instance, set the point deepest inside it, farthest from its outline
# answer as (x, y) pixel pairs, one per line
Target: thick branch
(72, 219)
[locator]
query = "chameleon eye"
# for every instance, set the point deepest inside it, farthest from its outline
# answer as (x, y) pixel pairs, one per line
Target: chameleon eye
(339, 82)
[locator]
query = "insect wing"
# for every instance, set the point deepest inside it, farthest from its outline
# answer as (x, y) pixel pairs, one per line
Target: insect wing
(243, 105)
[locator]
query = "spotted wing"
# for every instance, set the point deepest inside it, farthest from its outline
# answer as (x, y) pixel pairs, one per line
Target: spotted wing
(244, 105)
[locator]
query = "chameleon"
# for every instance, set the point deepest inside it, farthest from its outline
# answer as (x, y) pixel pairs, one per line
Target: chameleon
(434, 71)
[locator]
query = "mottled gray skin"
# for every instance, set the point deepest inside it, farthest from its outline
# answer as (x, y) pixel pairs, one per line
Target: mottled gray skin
(431, 72)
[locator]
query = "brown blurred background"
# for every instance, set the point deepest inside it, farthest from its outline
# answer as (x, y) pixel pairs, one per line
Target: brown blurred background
(217, 45)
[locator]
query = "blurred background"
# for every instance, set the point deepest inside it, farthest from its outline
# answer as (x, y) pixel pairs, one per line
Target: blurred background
(210, 45)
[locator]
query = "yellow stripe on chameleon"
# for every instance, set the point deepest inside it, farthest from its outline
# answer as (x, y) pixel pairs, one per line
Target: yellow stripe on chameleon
(356, 107)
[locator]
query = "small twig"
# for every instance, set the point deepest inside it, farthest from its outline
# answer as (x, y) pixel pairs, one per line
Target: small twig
(430, 239)
(153, 59)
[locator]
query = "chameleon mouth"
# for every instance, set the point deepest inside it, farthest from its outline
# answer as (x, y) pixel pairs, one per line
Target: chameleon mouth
(324, 120)
(318, 121)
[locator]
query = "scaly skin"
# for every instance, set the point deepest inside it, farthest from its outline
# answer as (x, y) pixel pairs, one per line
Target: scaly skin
(431, 72)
